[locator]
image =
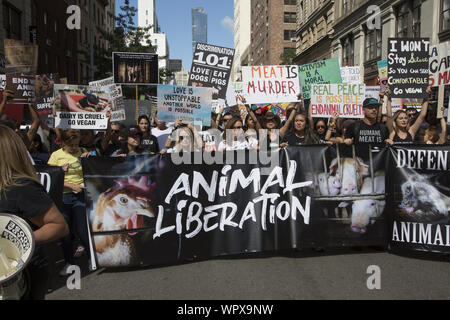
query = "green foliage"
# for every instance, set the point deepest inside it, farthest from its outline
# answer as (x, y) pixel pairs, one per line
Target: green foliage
(287, 56)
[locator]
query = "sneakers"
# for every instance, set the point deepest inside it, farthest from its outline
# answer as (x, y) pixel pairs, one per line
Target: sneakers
(79, 252)
(63, 272)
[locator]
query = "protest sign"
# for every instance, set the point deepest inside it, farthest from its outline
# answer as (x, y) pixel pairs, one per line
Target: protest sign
(372, 92)
(324, 71)
(20, 58)
(408, 67)
(268, 84)
(418, 197)
(102, 83)
(345, 99)
(22, 88)
(44, 95)
(351, 74)
(135, 68)
(211, 67)
(235, 89)
(184, 103)
(81, 107)
(383, 74)
(440, 64)
(2, 81)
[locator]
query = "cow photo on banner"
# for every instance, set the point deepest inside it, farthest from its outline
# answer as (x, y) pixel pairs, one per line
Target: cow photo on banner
(418, 200)
(211, 67)
(135, 68)
(271, 84)
(81, 107)
(408, 67)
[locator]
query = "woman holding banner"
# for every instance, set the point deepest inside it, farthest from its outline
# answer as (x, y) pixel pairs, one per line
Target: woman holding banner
(300, 133)
(234, 137)
(69, 158)
(22, 194)
(184, 138)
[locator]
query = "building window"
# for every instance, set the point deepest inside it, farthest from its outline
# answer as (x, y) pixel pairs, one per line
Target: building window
(408, 19)
(348, 51)
(289, 34)
(11, 22)
(347, 6)
(290, 17)
(445, 16)
(373, 44)
(290, 2)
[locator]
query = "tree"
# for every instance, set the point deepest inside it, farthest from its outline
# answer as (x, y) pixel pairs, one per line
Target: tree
(287, 56)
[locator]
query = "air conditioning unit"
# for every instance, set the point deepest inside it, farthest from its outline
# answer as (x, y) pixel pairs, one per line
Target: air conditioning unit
(293, 39)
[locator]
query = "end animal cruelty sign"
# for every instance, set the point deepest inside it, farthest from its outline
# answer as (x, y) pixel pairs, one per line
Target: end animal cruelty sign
(345, 99)
(268, 84)
(23, 88)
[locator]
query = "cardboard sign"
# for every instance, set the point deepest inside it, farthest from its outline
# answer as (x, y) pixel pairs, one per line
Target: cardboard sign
(440, 64)
(135, 68)
(383, 74)
(372, 92)
(184, 103)
(325, 71)
(345, 99)
(22, 87)
(44, 95)
(211, 67)
(408, 67)
(351, 74)
(102, 83)
(268, 84)
(81, 107)
(20, 58)
(234, 90)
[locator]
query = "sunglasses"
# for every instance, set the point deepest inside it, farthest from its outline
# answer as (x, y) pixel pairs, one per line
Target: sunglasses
(320, 127)
(182, 137)
(240, 127)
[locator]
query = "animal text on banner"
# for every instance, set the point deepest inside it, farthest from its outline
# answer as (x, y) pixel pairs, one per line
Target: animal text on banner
(22, 88)
(44, 96)
(268, 84)
(408, 67)
(345, 99)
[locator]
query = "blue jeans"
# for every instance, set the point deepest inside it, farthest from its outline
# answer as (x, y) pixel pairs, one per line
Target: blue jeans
(74, 212)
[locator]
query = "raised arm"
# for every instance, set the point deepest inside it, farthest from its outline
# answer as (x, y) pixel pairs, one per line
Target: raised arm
(105, 141)
(443, 135)
(6, 94)
(423, 113)
(331, 126)
(284, 130)
(36, 123)
(387, 98)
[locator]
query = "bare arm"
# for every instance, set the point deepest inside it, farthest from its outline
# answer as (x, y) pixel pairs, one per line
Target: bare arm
(52, 226)
(6, 94)
(389, 122)
(288, 122)
(423, 113)
(36, 123)
(107, 137)
(443, 135)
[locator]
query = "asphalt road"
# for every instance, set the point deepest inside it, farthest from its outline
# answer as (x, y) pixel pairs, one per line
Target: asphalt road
(332, 274)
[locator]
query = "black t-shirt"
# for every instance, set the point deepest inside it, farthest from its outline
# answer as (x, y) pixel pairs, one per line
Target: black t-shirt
(363, 133)
(293, 140)
(407, 140)
(27, 200)
(111, 148)
(149, 143)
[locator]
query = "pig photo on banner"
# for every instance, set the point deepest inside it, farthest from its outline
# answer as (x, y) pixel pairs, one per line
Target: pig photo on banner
(324, 71)
(440, 64)
(419, 198)
(22, 88)
(211, 67)
(81, 107)
(44, 96)
(408, 67)
(135, 68)
(270, 84)
(184, 103)
(345, 99)
(115, 93)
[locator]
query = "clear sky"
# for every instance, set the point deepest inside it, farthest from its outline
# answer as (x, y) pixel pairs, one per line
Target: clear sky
(174, 17)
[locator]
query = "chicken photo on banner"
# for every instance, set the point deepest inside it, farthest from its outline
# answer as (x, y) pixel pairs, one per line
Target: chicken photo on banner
(124, 206)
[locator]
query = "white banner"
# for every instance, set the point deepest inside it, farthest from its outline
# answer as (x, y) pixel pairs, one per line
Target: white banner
(440, 64)
(351, 74)
(81, 120)
(269, 84)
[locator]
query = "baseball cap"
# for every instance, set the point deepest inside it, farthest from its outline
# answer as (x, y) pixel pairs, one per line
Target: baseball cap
(369, 102)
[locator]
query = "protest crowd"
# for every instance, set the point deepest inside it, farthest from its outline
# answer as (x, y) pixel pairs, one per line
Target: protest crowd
(254, 129)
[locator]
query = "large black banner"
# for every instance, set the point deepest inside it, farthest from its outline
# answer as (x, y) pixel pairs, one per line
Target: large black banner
(418, 198)
(211, 67)
(150, 210)
(52, 178)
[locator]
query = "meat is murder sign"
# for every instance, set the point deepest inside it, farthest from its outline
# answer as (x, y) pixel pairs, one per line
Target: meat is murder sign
(211, 67)
(408, 69)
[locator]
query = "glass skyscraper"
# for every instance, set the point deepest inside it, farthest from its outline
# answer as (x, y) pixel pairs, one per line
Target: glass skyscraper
(199, 27)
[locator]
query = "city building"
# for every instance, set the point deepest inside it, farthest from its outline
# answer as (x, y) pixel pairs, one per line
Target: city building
(242, 25)
(199, 27)
(175, 65)
(314, 30)
(273, 26)
(360, 41)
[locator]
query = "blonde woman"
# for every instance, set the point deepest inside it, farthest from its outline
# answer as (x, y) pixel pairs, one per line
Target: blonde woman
(21, 194)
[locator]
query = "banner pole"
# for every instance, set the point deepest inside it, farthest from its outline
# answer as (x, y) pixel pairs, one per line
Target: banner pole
(137, 109)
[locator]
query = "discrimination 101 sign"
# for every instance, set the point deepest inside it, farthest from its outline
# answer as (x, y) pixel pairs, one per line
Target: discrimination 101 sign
(345, 99)
(268, 84)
